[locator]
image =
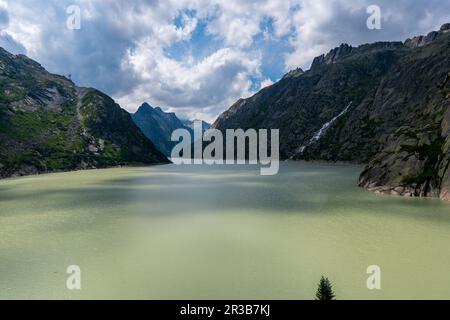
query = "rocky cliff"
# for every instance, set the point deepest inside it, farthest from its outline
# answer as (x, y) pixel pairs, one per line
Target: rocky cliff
(49, 124)
(414, 154)
(385, 104)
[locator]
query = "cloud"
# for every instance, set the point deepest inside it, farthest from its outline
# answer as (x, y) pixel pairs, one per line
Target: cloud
(213, 83)
(321, 25)
(266, 83)
(121, 49)
(196, 57)
(6, 40)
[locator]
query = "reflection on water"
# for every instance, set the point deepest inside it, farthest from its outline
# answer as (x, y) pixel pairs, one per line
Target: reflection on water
(199, 232)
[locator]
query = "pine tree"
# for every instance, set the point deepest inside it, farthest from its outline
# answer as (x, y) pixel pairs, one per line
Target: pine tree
(325, 290)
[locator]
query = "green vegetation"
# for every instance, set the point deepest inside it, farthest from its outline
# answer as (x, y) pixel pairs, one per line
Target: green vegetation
(325, 290)
(41, 129)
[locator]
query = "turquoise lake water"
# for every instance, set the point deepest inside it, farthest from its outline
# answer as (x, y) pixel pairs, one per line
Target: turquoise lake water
(222, 232)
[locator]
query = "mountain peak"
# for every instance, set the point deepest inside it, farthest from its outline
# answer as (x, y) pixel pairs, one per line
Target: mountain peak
(445, 28)
(294, 73)
(332, 56)
(158, 126)
(145, 106)
(420, 41)
(345, 49)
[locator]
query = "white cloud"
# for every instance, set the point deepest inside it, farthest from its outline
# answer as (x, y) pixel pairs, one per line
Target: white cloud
(121, 48)
(266, 83)
(321, 25)
(122, 45)
(213, 83)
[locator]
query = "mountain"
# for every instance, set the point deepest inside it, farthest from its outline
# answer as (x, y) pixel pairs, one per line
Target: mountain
(385, 104)
(190, 124)
(158, 126)
(49, 124)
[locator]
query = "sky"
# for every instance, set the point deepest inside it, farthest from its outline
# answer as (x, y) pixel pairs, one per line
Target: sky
(197, 57)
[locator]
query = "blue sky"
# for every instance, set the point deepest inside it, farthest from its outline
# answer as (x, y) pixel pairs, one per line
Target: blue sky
(197, 57)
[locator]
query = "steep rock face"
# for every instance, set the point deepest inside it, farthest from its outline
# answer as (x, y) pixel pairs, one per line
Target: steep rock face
(385, 104)
(158, 126)
(48, 124)
(414, 158)
(420, 41)
(300, 106)
(333, 56)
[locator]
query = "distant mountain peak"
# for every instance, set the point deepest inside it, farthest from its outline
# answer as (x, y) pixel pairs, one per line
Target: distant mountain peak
(332, 56)
(294, 73)
(419, 41)
(145, 107)
(158, 126)
(190, 124)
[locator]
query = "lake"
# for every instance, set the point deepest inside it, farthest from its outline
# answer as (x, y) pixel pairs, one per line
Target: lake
(221, 232)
